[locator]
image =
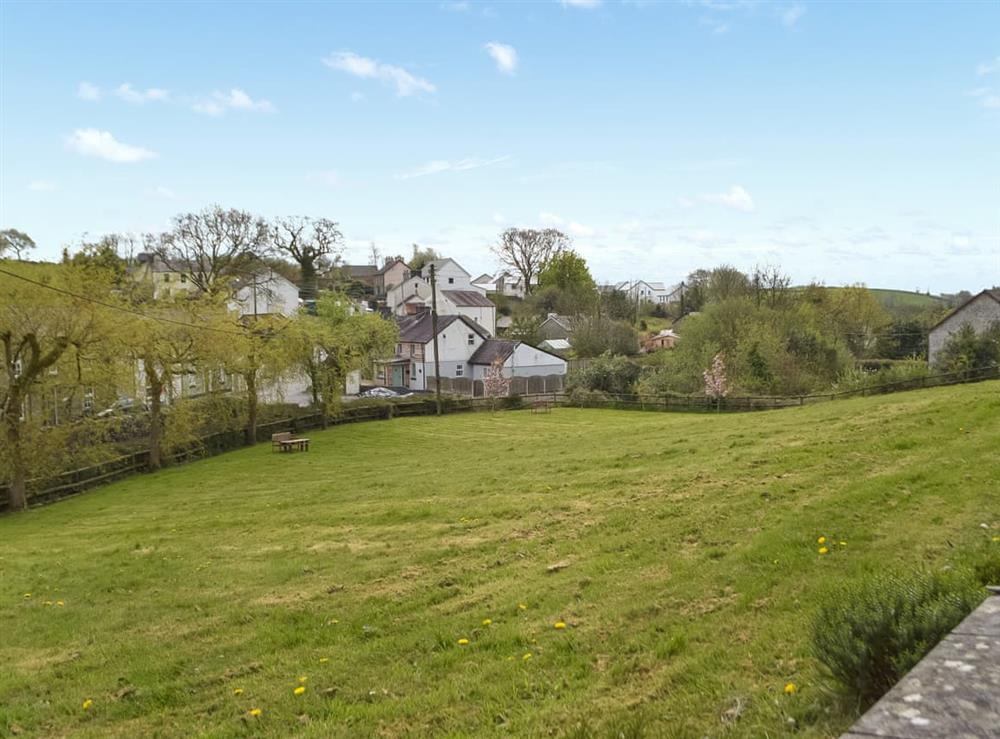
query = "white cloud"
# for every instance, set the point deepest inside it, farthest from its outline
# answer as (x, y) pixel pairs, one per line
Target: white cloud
(405, 83)
(153, 94)
(791, 15)
(578, 229)
(87, 91)
(101, 144)
(499, 218)
(737, 198)
(549, 219)
(505, 56)
(41, 186)
(989, 67)
(165, 192)
(443, 165)
(685, 203)
(580, 3)
(987, 97)
(235, 99)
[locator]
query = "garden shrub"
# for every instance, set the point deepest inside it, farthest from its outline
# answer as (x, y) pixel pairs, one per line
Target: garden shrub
(870, 634)
(581, 397)
(984, 563)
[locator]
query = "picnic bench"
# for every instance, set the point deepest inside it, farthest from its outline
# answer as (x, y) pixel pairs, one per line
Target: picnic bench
(541, 406)
(285, 442)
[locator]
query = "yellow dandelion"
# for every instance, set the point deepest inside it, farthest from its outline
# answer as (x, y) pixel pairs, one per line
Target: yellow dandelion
(255, 712)
(48, 603)
(462, 642)
(27, 595)
(324, 660)
(996, 538)
(487, 621)
(843, 543)
(237, 691)
(87, 704)
(823, 550)
(302, 680)
(527, 656)
(821, 540)
(559, 625)
(300, 690)
(790, 689)
(523, 606)
(60, 603)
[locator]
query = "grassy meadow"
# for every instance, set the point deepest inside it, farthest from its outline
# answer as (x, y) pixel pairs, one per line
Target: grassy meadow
(679, 552)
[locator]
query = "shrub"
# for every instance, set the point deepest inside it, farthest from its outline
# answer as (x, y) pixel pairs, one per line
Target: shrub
(512, 402)
(583, 398)
(859, 379)
(870, 634)
(607, 373)
(984, 563)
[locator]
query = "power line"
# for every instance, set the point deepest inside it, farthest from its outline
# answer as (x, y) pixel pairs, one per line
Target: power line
(123, 309)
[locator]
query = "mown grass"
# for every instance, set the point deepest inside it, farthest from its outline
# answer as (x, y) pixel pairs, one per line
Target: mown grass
(688, 574)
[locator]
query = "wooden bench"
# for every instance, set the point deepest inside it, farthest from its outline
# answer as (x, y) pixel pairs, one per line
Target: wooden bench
(541, 406)
(284, 442)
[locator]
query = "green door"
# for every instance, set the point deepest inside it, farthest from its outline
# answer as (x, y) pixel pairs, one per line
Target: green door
(397, 375)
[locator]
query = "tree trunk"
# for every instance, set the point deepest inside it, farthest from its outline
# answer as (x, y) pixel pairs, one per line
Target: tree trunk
(17, 495)
(307, 280)
(155, 418)
(251, 380)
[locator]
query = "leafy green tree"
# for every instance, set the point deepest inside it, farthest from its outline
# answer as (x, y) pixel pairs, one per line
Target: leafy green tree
(967, 350)
(421, 257)
(15, 242)
(607, 373)
(529, 251)
(47, 336)
(593, 336)
(617, 305)
(568, 284)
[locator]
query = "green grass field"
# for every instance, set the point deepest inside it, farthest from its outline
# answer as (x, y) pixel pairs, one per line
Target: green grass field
(684, 549)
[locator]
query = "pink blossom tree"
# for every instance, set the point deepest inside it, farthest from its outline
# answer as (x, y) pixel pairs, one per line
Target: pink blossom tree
(495, 384)
(716, 385)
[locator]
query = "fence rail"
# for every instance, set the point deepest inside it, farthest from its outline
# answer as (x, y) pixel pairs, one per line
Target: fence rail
(73, 482)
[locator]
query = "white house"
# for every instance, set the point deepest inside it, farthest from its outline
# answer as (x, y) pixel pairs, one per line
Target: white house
(519, 359)
(980, 312)
(456, 295)
(653, 292)
(466, 350)
(504, 283)
(265, 293)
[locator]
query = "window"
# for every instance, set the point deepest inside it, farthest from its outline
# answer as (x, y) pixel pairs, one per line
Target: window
(166, 278)
(472, 339)
(413, 350)
(459, 370)
(399, 348)
(451, 280)
(184, 278)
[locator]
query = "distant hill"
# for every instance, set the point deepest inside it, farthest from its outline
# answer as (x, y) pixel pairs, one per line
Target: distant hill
(904, 304)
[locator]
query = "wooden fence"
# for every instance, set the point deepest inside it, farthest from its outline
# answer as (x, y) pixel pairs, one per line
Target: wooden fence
(76, 481)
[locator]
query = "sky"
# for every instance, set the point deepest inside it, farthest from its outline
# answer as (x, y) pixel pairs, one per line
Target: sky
(846, 142)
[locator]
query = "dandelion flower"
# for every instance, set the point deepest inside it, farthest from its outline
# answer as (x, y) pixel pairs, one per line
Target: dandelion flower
(843, 543)
(996, 538)
(300, 690)
(790, 689)
(821, 540)
(323, 660)
(27, 595)
(48, 603)
(487, 621)
(523, 606)
(823, 550)
(87, 704)
(255, 712)
(559, 625)
(302, 680)
(462, 642)
(527, 656)
(237, 691)
(60, 603)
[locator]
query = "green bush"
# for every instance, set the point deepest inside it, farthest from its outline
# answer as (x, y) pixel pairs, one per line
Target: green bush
(583, 398)
(870, 634)
(905, 371)
(984, 563)
(607, 373)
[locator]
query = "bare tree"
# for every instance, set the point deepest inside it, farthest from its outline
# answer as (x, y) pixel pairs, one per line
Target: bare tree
(212, 246)
(18, 242)
(769, 284)
(529, 250)
(374, 255)
(309, 242)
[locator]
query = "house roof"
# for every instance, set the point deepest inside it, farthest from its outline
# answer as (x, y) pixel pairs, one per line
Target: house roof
(438, 264)
(361, 270)
(416, 329)
(491, 349)
(389, 265)
(995, 294)
(555, 344)
(468, 298)
(483, 278)
(563, 321)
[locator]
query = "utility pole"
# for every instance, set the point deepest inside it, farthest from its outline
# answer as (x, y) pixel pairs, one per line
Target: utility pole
(434, 331)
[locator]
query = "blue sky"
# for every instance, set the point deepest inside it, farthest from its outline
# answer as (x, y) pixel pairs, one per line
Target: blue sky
(846, 142)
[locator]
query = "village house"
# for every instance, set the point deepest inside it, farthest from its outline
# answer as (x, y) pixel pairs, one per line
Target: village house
(556, 327)
(651, 292)
(503, 283)
(980, 311)
(456, 295)
(392, 273)
(665, 339)
(466, 350)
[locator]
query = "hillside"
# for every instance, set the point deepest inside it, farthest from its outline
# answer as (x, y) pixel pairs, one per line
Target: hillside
(683, 548)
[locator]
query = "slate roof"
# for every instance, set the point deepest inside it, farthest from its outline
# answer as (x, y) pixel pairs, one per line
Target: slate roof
(995, 294)
(491, 349)
(564, 321)
(468, 298)
(389, 265)
(417, 328)
(361, 270)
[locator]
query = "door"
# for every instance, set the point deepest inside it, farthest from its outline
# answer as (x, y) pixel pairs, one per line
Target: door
(397, 375)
